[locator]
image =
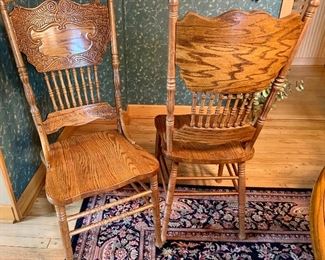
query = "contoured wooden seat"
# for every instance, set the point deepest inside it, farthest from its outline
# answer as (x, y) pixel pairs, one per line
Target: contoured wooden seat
(93, 164)
(224, 61)
(66, 42)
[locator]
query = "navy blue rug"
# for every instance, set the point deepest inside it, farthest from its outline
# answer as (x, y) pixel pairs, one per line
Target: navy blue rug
(203, 228)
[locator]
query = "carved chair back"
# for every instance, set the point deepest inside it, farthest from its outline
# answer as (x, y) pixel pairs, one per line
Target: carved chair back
(66, 42)
(225, 61)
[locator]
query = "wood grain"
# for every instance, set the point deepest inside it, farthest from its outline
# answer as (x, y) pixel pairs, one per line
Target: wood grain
(236, 52)
(288, 155)
(57, 37)
(224, 61)
(85, 165)
(184, 134)
(317, 217)
(78, 116)
(62, 35)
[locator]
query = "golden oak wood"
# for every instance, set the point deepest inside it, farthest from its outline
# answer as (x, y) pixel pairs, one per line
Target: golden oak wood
(78, 116)
(287, 155)
(94, 163)
(235, 52)
(62, 35)
(224, 61)
(317, 217)
(67, 41)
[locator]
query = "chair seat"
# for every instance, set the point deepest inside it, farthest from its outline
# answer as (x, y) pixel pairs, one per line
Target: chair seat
(229, 152)
(85, 165)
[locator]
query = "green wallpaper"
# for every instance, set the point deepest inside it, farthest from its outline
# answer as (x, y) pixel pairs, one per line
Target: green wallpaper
(146, 43)
(142, 36)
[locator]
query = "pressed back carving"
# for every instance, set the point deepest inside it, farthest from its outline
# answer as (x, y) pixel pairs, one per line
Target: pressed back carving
(236, 52)
(58, 35)
(66, 42)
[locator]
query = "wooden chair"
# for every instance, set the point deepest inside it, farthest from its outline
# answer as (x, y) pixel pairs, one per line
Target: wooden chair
(223, 61)
(317, 217)
(66, 42)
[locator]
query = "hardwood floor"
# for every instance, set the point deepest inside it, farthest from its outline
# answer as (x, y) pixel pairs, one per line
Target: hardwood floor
(289, 153)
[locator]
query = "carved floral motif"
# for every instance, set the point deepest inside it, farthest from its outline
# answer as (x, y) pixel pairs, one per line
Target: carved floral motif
(62, 34)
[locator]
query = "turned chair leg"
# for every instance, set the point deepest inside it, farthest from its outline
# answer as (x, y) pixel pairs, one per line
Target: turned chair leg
(156, 210)
(169, 200)
(158, 155)
(64, 229)
(241, 200)
(220, 172)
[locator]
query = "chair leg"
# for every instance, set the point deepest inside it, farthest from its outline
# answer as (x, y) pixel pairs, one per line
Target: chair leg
(157, 146)
(220, 172)
(241, 200)
(156, 210)
(158, 155)
(169, 199)
(64, 229)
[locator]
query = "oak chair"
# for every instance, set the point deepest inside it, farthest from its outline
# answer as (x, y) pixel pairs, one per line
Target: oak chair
(66, 42)
(317, 217)
(224, 61)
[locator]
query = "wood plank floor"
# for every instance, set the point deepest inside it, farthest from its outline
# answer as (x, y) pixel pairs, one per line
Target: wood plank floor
(289, 153)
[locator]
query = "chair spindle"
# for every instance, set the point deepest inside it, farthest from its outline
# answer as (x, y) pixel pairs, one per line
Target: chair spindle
(97, 82)
(49, 88)
(64, 89)
(90, 85)
(247, 110)
(209, 110)
(201, 110)
(193, 112)
(225, 112)
(57, 90)
(83, 83)
(70, 88)
(76, 82)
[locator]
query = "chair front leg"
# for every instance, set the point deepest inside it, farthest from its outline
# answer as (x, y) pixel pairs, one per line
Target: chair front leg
(156, 210)
(241, 200)
(169, 199)
(64, 229)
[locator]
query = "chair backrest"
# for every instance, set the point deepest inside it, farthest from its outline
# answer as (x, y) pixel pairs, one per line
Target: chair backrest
(66, 42)
(225, 61)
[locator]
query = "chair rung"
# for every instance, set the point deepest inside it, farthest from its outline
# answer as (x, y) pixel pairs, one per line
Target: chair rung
(205, 193)
(207, 178)
(109, 205)
(109, 220)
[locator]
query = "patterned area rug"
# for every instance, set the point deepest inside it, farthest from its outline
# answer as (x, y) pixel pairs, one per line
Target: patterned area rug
(203, 228)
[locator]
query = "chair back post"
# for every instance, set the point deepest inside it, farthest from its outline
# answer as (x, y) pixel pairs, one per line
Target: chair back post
(279, 81)
(116, 65)
(171, 70)
(276, 85)
(25, 80)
